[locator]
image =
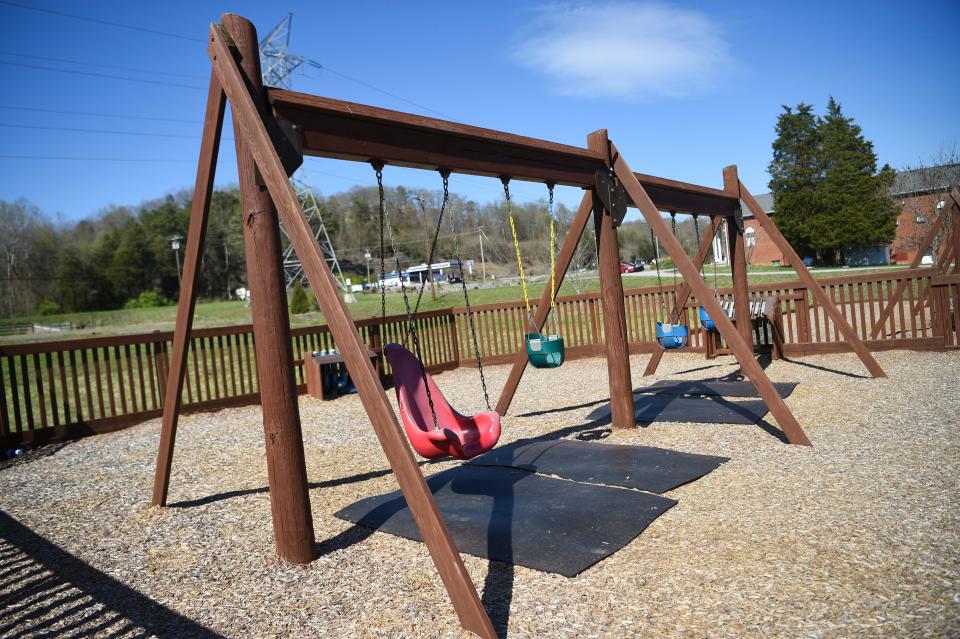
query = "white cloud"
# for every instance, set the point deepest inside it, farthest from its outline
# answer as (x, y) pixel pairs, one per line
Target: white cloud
(624, 50)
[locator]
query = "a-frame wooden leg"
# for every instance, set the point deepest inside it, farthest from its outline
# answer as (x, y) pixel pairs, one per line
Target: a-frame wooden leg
(737, 248)
(818, 293)
(683, 295)
(622, 411)
(567, 251)
(740, 348)
(420, 500)
(199, 211)
(914, 263)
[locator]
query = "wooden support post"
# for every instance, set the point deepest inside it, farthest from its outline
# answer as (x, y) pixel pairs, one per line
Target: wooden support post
(199, 211)
(611, 298)
(420, 500)
(743, 351)
(818, 293)
(286, 468)
(954, 211)
(925, 245)
(737, 249)
(577, 227)
(682, 296)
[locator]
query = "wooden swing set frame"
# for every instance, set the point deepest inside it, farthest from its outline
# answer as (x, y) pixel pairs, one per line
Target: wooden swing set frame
(274, 128)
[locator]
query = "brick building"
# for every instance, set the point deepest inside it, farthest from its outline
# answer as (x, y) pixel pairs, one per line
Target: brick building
(919, 192)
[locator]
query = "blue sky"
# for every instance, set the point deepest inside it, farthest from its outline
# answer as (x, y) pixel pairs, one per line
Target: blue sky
(683, 88)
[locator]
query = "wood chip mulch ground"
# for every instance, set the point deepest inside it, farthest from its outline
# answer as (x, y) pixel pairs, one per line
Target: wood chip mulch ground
(858, 536)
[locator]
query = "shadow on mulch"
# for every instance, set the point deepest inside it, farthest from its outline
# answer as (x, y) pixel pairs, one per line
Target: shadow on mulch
(31, 565)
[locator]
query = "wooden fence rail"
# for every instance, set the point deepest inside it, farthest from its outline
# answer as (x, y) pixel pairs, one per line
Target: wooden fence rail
(64, 389)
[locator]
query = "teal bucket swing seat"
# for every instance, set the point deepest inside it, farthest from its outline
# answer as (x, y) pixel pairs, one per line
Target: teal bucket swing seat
(544, 351)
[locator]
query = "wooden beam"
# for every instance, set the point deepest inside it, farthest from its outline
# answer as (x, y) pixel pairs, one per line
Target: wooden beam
(420, 500)
(283, 438)
(199, 212)
(683, 294)
(743, 351)
(925, 244)
(818, 293)
(622, 411)
(577, 227)
(351, 131)
(737, 249)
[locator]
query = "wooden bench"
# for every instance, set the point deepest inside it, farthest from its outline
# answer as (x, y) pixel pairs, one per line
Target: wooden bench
(317, 366)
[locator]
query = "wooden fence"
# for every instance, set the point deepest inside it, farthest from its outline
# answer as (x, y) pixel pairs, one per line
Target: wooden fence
(65, 389)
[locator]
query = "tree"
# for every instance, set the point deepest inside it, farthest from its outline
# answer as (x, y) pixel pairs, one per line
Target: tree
(299, 303)
(795, 172)
(828, 194)
(855, 207)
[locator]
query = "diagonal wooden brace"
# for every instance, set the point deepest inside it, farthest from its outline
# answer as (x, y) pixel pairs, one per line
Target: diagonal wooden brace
(743, 351)
(199, 212)
(420, 500)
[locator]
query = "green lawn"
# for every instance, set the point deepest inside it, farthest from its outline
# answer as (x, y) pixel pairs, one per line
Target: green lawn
(220, 313)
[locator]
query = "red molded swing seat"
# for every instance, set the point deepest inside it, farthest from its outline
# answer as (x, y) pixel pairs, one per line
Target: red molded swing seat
(458, 436)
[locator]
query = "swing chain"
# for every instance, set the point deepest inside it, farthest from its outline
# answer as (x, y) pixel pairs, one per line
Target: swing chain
(378, 167)
(466, 302)
(516, 247)
(553, 260)
(411, 317)
(673, 229)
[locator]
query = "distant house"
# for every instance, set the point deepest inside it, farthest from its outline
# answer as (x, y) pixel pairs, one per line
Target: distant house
(919, 192)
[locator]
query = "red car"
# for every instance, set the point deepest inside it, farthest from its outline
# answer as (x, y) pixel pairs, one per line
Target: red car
(627, 267)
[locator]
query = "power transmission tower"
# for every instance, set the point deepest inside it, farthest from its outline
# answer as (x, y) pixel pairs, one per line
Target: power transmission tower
(278, 66)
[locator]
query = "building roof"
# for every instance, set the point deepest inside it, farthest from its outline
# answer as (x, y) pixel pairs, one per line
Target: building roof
(930, 179)
(933, 179)
(765, 200)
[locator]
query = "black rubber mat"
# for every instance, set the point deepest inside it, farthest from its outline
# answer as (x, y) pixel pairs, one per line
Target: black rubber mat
(698, 410)
(642, 467)
(721, 388)
(521, 518)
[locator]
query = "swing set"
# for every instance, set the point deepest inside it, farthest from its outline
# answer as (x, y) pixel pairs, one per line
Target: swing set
(273, 130)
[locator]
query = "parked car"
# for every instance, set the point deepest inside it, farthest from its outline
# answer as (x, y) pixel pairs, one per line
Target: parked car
(630, 267)
(454, 278)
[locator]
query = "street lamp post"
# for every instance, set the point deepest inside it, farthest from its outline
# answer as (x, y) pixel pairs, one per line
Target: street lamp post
(175, 245)
(367, 256)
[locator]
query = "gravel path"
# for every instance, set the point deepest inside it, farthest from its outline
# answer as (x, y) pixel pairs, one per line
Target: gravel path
(858, 536)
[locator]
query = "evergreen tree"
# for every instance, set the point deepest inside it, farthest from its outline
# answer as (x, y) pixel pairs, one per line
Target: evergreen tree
(855, 206)
(827, 191)
(299, 303)
(795, 172)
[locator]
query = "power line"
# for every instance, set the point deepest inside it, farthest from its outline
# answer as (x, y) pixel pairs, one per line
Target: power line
(88, 159)
(103, 66)
(103, 131)
(120, 25)
(101, 75)
(97, 114)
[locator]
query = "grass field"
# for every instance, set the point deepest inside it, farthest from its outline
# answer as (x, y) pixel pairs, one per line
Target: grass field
(223, 313)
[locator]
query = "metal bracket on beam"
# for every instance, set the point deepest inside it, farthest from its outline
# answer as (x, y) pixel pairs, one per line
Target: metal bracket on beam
(612, 195)
(738, 217)
(287, 140)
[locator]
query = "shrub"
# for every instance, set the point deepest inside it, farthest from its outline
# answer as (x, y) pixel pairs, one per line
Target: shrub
(147, 299)
(299, 303)
(48, 307)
